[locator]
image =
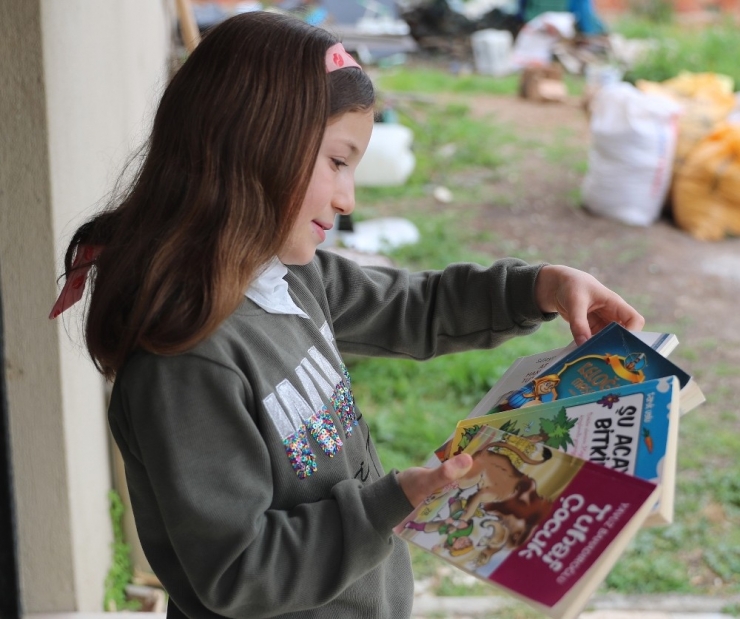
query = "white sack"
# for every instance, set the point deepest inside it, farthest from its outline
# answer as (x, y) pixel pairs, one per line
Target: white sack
(630, 161)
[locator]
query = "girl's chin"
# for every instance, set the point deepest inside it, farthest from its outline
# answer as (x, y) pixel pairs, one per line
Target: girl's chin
(297, 258)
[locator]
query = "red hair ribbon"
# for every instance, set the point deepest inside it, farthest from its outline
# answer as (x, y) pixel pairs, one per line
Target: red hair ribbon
(338, 58)
(75, 285)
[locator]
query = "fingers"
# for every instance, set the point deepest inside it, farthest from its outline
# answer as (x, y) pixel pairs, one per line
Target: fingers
(630, 318)
(418, 483)
(576, 313)
(586, 304)
(580, 334)
(615, 309)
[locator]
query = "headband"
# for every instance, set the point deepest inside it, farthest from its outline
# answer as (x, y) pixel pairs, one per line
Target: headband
(338, 58)
(76, 278)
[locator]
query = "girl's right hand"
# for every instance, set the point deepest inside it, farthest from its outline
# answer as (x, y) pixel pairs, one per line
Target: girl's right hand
(419, 482)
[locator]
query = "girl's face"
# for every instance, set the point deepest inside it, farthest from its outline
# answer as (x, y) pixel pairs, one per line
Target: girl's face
(331, 190)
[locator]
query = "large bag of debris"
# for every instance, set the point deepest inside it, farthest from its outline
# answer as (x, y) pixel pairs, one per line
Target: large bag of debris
(706, 190)
(707, 99)
(633, 142)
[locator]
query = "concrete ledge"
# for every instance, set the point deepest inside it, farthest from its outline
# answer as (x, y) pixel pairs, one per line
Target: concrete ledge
(601, 607)
(670, 603)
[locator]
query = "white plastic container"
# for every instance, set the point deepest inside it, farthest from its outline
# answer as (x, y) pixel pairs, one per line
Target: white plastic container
(492, 51)
(388, 160)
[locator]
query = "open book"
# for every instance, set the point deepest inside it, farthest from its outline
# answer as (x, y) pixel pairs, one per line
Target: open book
(598, 422)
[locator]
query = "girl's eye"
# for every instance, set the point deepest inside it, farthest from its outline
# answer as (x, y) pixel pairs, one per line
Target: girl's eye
(339, 163)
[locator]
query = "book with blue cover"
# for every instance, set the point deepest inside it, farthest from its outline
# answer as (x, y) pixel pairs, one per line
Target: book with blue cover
(607, 359)
(612, 357)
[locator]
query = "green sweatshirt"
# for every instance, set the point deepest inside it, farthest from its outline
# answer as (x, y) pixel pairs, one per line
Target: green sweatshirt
(255, 485)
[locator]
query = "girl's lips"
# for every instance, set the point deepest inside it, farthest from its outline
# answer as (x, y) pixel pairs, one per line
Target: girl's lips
(320, 230)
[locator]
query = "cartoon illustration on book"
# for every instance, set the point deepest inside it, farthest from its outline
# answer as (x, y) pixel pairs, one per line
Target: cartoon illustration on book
(495, 507)
(540, 390)
(584, 374)
(458, 534)
(553, 432)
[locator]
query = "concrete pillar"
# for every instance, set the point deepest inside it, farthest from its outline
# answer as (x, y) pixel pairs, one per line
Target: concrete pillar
(80, 79)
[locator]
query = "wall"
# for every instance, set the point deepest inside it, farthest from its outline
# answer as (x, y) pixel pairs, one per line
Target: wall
(80, 79)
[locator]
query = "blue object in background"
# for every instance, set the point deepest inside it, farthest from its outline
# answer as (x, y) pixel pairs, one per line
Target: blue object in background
(587, 22)
(316, 16)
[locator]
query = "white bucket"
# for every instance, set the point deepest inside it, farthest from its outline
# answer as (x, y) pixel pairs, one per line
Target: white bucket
(492, 51)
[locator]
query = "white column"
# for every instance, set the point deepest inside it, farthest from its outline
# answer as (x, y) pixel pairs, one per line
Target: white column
(80, 80)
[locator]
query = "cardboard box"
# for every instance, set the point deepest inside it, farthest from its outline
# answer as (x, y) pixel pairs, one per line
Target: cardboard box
(543, 83)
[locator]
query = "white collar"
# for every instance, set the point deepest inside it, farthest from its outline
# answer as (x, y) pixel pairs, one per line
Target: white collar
(269, 290)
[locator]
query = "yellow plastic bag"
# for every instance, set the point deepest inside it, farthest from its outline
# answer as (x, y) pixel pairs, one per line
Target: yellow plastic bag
(706, 190)
(707, 99)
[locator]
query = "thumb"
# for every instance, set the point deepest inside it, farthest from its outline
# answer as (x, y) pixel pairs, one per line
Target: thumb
(453, 469)
(418, 483)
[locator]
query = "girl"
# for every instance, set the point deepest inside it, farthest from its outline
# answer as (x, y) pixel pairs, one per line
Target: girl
(254, 482)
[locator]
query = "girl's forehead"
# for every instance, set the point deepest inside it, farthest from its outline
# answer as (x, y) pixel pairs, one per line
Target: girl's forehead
(347, 119)
(352, 127)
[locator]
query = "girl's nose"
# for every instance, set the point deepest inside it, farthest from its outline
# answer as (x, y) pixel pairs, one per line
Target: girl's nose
(344, 197)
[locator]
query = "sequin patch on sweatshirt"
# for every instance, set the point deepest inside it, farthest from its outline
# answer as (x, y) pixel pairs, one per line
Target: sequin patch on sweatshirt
(324, 431)
(344, 406)
(302, 459)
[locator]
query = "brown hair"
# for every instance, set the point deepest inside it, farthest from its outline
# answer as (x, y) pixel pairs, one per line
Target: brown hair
(224, 173)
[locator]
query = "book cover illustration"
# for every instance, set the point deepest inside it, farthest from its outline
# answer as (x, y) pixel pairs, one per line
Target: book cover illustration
(632, 429)
(543, 525)
(612, 357)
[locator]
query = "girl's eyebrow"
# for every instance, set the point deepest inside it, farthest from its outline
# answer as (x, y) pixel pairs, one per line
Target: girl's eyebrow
(350, 144)
(344, 141)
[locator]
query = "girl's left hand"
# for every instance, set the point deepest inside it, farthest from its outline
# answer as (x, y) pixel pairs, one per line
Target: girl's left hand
(586, 304)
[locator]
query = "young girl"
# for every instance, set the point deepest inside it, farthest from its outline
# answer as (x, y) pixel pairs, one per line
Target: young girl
(254, 482)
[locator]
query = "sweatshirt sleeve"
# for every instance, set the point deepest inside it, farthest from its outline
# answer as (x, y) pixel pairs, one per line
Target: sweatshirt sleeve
(201, 481)
(393, 312)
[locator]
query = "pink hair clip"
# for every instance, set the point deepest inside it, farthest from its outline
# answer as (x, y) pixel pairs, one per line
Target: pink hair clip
(85, 257)
(338, 58)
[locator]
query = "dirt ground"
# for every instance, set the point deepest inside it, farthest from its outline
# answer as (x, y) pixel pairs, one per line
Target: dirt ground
(680, 284)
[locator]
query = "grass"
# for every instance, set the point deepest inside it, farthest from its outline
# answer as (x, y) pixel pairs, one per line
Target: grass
(435, 80)
(120, 572)
(447, 139)
(707, 50)
(412, 407)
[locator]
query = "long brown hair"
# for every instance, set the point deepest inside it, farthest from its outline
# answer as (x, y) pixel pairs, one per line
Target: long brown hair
(226, 168)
